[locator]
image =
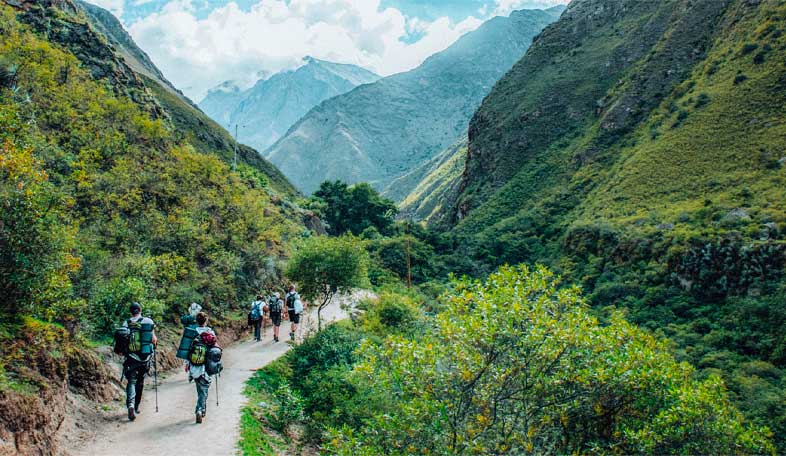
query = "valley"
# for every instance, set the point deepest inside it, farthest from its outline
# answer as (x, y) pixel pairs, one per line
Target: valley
(564, 232)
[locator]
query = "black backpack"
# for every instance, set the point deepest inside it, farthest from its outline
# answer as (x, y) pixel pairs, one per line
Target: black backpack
(213, 364)
(291, 298)
(121, 341)
(276, 305)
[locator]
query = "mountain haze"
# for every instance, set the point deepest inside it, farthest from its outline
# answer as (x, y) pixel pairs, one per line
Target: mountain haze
(267, 110)
(381, 131)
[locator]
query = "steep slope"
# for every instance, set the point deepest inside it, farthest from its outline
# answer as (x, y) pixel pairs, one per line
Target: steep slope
(267, 110)
(104, 202)
(637, 148)
(99, 41)
(436, 185)
(381, 131)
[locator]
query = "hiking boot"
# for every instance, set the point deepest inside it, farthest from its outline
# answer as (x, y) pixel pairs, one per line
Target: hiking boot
(137, 410)
(292, 336)
(131, 414)
(199, 417)
(275, 339)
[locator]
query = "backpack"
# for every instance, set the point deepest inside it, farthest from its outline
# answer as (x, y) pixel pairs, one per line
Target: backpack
(140, 338)
(256, 312)
(121, 341)
(291, 300)
(200, 346)
(276, 305)
(213, 363)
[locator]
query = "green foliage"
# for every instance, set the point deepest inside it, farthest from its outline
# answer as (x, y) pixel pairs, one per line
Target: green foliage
(324, 266)
(536, 373)
(354, 209)
(146, 215)
(36, 238)
(255, 440)
(286, 408)
(392, 313)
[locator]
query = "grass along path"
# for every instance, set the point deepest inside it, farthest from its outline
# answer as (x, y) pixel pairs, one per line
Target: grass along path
(172, 431)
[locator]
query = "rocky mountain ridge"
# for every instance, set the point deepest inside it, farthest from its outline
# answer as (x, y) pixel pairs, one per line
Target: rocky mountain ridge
(381, 131)
(273, 104)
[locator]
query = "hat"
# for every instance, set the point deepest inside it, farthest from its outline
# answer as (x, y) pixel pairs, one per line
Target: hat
(136, 308)
(277, 294)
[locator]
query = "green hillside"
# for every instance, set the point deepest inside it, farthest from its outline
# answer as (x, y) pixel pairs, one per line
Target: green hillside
(106, 199)
(638, 149)
(435, 186)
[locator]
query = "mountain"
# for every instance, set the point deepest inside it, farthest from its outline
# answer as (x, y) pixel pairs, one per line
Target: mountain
(114, 188)
(435, 185)
(267, 110)
(638, 149)
(379, 132)
(103, 45)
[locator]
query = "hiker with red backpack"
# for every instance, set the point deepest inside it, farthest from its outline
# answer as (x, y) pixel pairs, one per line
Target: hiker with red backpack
(136, 340)
(204, 361)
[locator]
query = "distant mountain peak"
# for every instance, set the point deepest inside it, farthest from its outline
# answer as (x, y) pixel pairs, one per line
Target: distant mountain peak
(382, 131)
(273, 103)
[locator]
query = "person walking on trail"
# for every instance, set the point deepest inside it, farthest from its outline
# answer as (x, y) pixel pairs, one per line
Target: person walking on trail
(197, 357)
(256, 316)
(294, 309)
(275, 307)
(141, 343)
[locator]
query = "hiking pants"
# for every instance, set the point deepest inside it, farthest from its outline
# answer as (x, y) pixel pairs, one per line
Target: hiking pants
(135, 375)
(202, 387)
(258, 329)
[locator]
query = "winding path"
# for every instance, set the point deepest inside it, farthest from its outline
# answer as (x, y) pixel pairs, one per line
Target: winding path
(172, 431)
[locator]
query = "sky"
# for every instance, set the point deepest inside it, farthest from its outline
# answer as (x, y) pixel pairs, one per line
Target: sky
(199, 44)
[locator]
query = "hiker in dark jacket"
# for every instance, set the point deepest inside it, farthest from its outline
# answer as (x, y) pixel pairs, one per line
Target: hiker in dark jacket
(196, 370)
(142, 342)
(294, 309)
(275, 306)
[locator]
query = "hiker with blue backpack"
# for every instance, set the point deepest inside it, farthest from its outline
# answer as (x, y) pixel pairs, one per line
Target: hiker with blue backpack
(256, 317)
(204, 362)
(136, 340)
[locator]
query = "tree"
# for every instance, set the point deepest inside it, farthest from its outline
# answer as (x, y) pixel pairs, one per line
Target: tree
(324, 266)
(36, 241)
(354, 209)
(516, 365)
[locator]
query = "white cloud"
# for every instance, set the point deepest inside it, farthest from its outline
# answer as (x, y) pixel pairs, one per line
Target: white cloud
(196, 54)
(114, 6)
(506, 6)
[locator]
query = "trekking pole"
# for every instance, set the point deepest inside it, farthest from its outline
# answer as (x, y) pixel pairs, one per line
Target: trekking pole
(155, 374)
(217, 375)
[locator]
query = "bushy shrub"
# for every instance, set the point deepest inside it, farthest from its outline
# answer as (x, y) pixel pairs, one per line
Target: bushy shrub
(536, 373)
(286, 408)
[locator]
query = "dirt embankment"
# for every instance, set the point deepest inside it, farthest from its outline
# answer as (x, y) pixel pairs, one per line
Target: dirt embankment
(59, 386)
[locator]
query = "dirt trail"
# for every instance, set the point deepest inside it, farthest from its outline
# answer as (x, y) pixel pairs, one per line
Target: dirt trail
(172, 431)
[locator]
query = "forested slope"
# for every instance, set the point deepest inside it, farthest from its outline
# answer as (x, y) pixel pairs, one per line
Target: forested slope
(105, 201)
(638, 148)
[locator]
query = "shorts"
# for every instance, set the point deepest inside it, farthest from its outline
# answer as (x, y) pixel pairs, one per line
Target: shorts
(275, 317)
(293, 317)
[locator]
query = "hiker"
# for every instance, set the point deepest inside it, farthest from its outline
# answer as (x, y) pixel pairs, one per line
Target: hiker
(255, 317)
(294, 309)
(196, 367)
(141, 344)
(275, 307)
